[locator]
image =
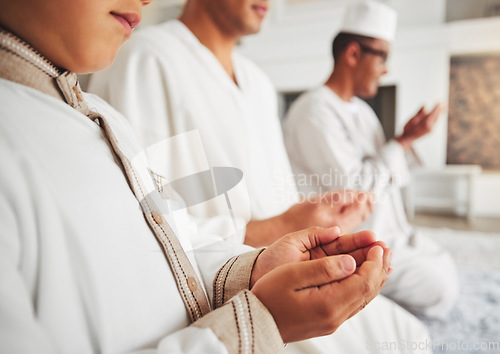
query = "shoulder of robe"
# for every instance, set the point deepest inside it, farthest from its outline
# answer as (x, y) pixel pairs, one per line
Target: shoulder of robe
(256, 73)
(23, 103)
(367, 110)
(159, 38)
(364, 106)
(312, 105)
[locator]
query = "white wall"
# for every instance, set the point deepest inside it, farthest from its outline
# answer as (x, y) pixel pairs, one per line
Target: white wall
(294, 49)
(487, 195)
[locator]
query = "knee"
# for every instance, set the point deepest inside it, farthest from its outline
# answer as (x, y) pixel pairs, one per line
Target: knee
(445, 292)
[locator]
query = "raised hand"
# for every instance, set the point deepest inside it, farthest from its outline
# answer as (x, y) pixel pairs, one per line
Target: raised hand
(346, 209)
(419, 125)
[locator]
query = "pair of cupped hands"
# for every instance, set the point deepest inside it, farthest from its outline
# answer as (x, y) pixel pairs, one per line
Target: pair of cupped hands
(313, 280)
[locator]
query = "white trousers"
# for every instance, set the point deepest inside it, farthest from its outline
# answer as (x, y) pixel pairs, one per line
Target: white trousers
(381, 327)
(424, 280)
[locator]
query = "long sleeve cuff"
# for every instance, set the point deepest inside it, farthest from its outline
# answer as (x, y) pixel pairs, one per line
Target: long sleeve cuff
(244, 325)
(233, 277)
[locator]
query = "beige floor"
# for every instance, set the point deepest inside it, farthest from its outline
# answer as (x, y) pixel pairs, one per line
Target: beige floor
(457, 223)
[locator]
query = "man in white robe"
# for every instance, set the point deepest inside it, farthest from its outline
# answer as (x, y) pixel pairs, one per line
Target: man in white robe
(331, 133)
(181, 76)
(168, 82)
(93, 258)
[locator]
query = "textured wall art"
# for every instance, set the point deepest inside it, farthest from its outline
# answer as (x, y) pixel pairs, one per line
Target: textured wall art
(474, 111)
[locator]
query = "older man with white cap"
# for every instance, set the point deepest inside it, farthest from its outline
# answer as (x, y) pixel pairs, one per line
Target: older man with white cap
(330, 131)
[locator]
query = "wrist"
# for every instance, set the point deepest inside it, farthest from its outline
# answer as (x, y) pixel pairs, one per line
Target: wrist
(405, 142)
(261, 233)
(257, 271)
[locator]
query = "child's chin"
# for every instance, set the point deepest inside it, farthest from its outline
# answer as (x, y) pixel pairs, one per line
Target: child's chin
(92, 67)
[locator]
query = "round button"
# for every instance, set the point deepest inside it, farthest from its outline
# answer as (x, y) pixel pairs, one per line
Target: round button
(157, 218)
(192, 284)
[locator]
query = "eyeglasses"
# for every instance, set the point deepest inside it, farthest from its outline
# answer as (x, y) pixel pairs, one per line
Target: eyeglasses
(373, 51)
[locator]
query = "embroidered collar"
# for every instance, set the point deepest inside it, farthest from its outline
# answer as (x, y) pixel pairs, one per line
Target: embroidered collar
(23, 50)
(21, 63)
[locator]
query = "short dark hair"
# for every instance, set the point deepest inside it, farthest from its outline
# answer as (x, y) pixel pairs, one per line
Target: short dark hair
(343, 39)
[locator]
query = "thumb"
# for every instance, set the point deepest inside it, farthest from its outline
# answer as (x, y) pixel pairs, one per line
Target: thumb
(321, 271)
(438, 108)
(375, 254)
(312, 237)
(420, 112)
(436, 111)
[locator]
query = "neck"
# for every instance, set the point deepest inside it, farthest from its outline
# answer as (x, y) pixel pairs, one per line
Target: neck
(340, 83)
(221, 44)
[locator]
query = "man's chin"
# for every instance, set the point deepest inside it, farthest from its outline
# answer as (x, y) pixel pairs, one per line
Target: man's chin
(367, 96)
(254, 29)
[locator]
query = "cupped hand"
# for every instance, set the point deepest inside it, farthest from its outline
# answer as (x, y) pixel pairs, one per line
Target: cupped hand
(313, 243)
(419, 125)
(313, 298)
(344, 208)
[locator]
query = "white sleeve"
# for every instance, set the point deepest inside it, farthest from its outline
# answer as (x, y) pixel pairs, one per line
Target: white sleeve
(318, 143)
(239, 320)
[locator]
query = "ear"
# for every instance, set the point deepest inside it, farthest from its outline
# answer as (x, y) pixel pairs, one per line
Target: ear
(352, 54)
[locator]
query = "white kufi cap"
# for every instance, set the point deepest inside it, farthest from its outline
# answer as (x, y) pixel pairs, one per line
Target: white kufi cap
(371, 19)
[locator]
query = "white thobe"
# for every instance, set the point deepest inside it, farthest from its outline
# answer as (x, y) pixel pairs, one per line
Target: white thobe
(80, 269)
(168, 83)
(333, 144)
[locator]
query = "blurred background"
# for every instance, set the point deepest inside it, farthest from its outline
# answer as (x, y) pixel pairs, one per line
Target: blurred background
(445, 50)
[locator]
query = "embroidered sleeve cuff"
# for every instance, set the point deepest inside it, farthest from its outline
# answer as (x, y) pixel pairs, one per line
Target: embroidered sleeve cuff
(233, 277)
(244, 325)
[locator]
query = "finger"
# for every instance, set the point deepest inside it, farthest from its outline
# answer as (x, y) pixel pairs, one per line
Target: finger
(331, 196)
(321, 271)
(312, 237)
(444, 107)
(355, 208)
(354, 292)
(388, 254)
(357, 197)
(337, 197)
(352, 196)
(370, 197)
(359, 255)
(353, 215)
(346, 197)
(350, 242)
(365, 204)
(372, 270)
(436, 112)
(373, 267)
(417, 117)
(348, 220)
(370, 202)
(375, 254)
(438, 108)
